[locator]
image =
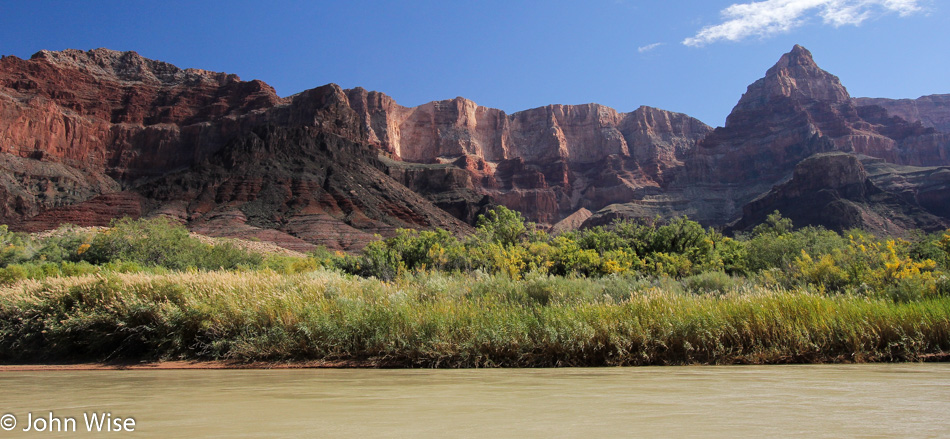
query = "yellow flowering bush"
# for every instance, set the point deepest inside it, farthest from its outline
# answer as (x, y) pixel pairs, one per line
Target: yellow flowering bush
(871, 266)
(823, 273)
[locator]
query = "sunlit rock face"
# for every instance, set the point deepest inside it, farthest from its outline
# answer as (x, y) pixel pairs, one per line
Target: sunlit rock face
(796, 111)
(74, 125)
(547, 162)
(89, 136)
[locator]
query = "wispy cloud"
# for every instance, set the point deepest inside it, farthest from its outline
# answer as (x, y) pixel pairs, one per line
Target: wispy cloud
(771, 17)
(649, 47)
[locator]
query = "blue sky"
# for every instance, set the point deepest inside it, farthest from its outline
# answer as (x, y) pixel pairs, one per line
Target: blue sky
(695, 57)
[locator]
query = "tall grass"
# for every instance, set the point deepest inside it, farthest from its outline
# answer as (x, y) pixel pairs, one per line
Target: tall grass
(442, 320)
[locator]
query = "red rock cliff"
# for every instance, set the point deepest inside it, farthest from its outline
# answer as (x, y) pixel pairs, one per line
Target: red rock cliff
(77, 124)
(547, 162)
(795, 111)
(87, 136)
(931, 111)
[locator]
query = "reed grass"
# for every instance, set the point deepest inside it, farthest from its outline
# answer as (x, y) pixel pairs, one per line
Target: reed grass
(442, 320)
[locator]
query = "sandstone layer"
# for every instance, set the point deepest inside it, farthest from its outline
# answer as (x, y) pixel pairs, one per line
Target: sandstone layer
(931, 111)
(89, 136)
(547, 162)
(796, 111)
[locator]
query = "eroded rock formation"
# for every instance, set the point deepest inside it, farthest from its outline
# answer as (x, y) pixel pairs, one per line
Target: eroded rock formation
(796, 111)
(89, 136)
(931, 111)
(546, 162)
(835, 190)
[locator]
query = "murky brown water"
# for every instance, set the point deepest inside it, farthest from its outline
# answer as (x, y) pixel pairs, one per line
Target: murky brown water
(910, 400)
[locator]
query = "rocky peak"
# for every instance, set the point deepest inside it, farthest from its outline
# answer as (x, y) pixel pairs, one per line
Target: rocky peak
(795, 77)
(799, 56)
(130, 67)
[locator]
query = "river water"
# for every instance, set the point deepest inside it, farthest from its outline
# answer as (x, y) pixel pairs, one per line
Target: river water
(902, 400)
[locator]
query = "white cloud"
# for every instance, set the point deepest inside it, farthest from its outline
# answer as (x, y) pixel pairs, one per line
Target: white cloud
(770, 17)
(649, 47)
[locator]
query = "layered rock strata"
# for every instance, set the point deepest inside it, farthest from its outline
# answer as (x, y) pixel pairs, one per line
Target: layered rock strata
(89, 136)
(796, 111)
(931, 111)
(547, 162)
(78, 126)
(835, 190)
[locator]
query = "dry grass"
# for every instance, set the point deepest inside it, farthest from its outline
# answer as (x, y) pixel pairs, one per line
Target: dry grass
(436, 320)
(260, 247)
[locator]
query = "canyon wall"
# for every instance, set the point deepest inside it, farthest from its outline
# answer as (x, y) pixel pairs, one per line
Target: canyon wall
(89, 136)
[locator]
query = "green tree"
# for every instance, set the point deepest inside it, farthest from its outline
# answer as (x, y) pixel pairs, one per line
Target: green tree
(503, 226)
(774, 224)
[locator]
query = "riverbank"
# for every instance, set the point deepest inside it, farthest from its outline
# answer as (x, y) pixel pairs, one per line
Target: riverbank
(943, 357)
(191, 365)
(327, 319)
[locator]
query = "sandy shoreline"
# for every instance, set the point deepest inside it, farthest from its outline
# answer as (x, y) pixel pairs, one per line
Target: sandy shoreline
(187, 365)
(942, 357)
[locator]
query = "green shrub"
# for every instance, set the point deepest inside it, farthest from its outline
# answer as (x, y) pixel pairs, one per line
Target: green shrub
(665, 264)
(161, 242)
(570, 258)
(377, 260)
(733, 255)
(942, 243)
(683, 237)
(422, 249)
(770, 250)
(80, 268)
(909, 289)
(710, 282)
(67, 243)
(774, 225)
(540, 291)
(14, 247)
(224, 256)
(12, 274)
(293, 265)
(601, 238)
(943, 286)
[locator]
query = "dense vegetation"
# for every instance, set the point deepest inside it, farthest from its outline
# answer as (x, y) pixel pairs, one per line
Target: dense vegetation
(774, 255)
(508, 295)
